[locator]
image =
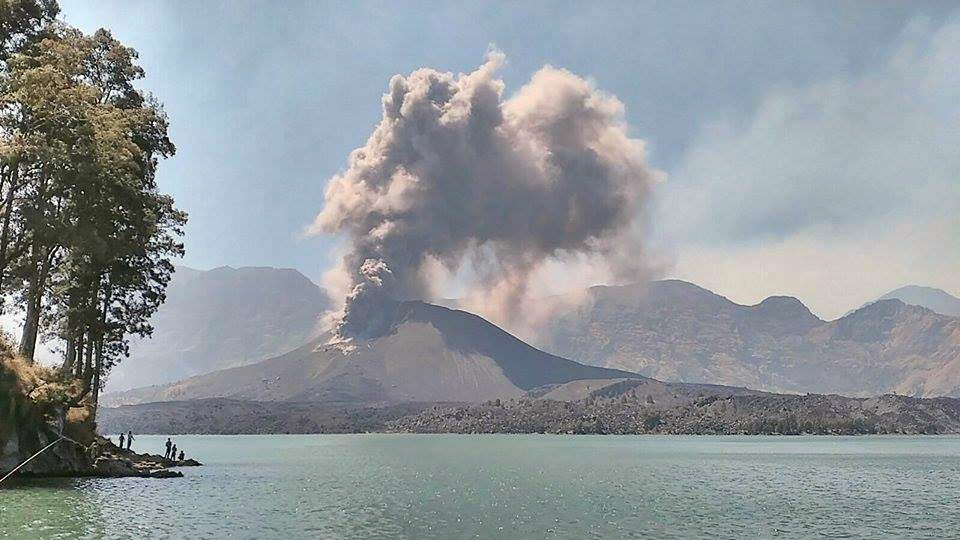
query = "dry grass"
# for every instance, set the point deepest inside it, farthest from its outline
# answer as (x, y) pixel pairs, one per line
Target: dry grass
(17, 379)
(24, 386)
(17, 375)
(78, 415)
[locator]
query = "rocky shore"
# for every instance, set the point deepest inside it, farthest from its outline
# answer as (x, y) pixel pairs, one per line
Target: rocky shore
(231, 417)
(586, 407)
(102, 458)
(46, 431)
(113, 461)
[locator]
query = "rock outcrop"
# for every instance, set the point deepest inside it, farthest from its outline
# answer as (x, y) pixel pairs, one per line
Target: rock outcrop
(39, 436)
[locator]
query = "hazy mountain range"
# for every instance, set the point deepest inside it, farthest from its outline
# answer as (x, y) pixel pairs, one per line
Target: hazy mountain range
(928, 297)
(676, 331)
(220, 318)
(669, 330)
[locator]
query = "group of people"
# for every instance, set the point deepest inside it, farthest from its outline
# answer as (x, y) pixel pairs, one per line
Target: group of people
(171, 452)
(129, 440)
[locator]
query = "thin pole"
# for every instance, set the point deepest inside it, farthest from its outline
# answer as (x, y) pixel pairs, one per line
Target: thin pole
(44, 449)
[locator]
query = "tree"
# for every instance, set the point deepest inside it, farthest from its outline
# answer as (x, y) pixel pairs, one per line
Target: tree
(86, 238)
(23, 20)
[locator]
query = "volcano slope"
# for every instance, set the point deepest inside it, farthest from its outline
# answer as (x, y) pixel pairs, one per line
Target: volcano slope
(432, 354)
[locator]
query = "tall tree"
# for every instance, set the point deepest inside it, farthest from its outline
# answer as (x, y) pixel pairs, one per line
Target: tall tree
(86, 238)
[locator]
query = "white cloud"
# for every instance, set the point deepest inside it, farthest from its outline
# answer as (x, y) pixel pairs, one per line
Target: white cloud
(832, 273)
(835, 192)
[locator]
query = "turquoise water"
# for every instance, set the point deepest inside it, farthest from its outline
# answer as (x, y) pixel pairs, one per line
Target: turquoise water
(450, 486)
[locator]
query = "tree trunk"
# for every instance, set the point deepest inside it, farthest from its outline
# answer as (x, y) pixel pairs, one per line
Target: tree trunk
(5, 234)
(97, 369)
(88, 365)
(68, 358)
(78, 362)
(31, 324)
(98, 361)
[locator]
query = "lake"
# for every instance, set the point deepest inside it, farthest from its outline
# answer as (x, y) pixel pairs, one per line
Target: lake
(522, 486)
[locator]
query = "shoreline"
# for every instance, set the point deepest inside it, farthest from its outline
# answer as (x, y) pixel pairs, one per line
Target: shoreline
(625, 413)
(110, 462)
(553, 434)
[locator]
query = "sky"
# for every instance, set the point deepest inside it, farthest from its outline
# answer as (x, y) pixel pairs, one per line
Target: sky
(807, 148)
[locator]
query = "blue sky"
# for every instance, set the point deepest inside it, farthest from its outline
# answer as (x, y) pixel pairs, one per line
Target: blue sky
(267, 99)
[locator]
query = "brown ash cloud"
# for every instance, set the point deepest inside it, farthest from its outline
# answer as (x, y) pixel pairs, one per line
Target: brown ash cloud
(456, 174)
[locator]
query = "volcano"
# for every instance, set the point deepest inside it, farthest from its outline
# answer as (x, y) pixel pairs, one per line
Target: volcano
(431, 353)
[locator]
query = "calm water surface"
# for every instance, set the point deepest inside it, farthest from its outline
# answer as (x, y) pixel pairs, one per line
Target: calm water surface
(449, 486)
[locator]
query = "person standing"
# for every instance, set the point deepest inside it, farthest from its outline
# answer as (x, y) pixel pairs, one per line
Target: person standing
(129, 440)
(121, 441)
(173, 453)
(169, 444)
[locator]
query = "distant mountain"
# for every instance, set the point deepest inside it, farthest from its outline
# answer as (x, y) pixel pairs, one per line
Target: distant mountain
(929, 297)
(676, 331)
(432, 354)
(220, 318)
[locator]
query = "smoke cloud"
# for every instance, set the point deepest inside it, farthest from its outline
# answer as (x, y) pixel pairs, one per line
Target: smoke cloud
(456, 175)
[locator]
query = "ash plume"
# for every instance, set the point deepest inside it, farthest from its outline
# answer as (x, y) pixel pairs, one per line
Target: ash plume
(455, 174)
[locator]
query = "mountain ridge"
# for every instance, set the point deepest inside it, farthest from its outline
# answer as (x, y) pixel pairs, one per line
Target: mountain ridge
(223, 317)
(677, 331)
(931, 298)
(670, 330)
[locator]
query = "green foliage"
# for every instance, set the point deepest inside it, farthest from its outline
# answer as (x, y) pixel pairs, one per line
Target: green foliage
(87, 239)
(22, 21)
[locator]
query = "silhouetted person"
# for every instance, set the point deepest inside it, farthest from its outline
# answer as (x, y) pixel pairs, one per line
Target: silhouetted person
(181, 456)
(121, 441)
(173, 453)
(129, 440)
(167, 454)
